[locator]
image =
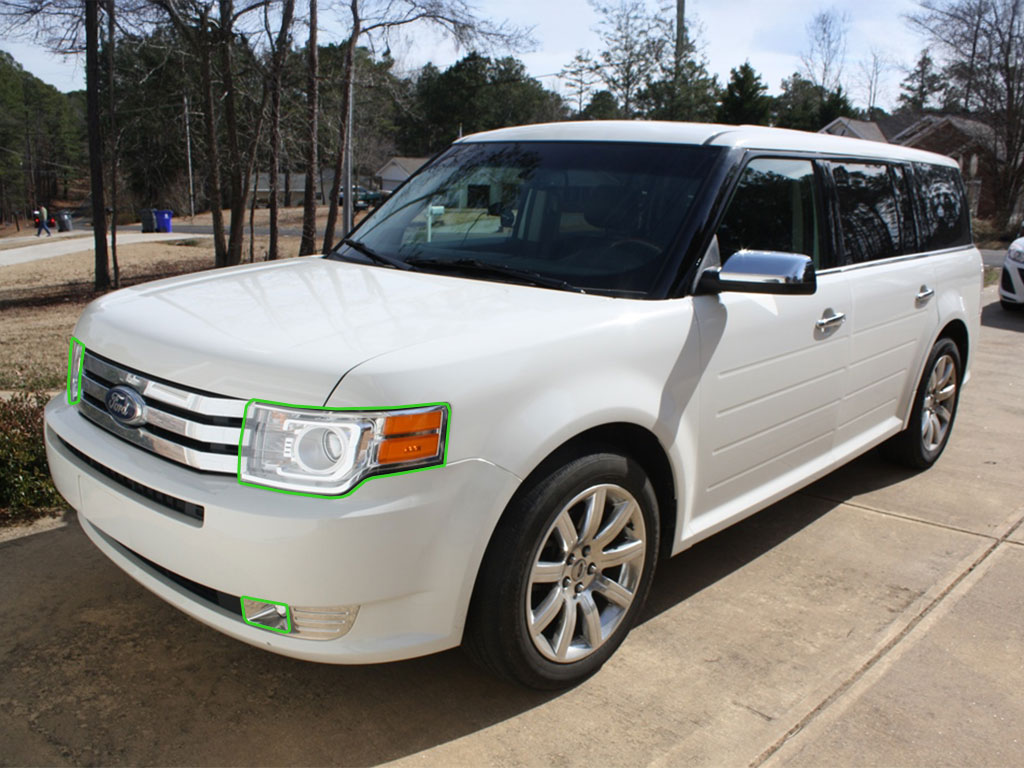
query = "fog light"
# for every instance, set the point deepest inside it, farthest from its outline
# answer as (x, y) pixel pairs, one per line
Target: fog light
(266, 614)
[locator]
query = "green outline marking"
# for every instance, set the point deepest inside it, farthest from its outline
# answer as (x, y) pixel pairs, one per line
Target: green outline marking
(78, 373)
(287, 614)
(357, 486)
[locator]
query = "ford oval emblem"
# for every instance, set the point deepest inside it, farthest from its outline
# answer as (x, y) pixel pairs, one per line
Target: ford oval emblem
(126, 405)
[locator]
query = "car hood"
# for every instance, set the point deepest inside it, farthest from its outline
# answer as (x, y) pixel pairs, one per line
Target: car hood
(290, 330)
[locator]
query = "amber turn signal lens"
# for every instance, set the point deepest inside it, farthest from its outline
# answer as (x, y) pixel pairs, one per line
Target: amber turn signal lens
(405, 449)
(413, 422)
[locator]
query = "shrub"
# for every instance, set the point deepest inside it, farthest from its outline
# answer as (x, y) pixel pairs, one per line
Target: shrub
(26, 490)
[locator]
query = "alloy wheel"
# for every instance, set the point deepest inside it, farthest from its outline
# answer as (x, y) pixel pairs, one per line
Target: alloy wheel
(585, 574)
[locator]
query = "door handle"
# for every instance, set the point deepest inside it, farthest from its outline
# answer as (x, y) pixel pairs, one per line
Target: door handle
(834, 320)
(924, 294)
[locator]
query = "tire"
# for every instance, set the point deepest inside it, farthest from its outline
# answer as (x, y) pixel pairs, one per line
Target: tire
(1011, 306)
(548, 611)
(935, 404)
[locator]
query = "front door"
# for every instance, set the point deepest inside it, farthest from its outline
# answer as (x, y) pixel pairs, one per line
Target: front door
(773, 365)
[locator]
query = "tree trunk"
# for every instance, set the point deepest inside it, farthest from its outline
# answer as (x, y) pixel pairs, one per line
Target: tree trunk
(277, 64)
(212, 147)
(349, 75)
(92, 102)
(308, 244)
(113, 143)
(236, 189)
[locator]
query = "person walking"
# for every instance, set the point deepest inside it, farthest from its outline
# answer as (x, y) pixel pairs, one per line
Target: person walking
(43, 215)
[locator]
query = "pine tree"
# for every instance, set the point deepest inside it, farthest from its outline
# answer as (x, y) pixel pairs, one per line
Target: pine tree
(745, 100)
(918, 90)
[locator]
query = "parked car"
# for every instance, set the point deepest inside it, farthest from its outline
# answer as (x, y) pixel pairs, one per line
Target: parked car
(554, 356)
(363, 199)
(1011, 282)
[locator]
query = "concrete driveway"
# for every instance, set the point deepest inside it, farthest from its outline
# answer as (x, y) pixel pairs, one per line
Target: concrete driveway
(877, 618)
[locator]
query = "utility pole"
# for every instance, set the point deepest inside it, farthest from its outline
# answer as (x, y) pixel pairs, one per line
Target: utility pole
(680, 33)
(188, 154)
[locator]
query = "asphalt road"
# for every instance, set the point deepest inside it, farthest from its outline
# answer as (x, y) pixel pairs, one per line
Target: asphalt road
(992, 258)
(876, 618)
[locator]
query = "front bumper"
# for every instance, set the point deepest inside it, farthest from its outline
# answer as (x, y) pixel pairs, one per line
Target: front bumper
(404, 549)
(1011, 282)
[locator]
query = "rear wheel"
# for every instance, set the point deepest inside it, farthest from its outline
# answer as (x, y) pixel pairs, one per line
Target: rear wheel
(1011, 306)
(935, 403)
(566, 573)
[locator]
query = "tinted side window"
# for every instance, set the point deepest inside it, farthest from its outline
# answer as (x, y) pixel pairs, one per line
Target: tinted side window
(773, 208)
(945, 216)
(908, 229)
(868, 212)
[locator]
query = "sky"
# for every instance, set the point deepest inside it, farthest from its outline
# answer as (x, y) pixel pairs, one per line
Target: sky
(770, 35)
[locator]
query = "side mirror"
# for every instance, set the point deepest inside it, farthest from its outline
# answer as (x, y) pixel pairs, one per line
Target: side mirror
(761, 272)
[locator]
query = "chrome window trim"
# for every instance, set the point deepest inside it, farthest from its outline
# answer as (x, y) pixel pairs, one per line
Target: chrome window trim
(892, 260)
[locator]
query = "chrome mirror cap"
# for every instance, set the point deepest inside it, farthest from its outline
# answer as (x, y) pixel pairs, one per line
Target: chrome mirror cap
(761, 272)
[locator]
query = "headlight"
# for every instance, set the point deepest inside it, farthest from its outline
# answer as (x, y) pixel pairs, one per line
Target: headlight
(76, 355)
(329, 451)
(1015, 254)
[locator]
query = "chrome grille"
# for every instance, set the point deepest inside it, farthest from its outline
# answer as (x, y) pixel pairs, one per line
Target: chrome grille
(192, 428)
(323, 623)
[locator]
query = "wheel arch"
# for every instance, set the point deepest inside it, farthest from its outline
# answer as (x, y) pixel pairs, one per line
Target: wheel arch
(956, 331)
(630, 439)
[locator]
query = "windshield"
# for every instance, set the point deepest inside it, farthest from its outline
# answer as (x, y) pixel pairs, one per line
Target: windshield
(587, 216)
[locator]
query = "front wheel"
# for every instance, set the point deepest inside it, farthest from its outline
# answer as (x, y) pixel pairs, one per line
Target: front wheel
(935, 403)
(1011, 306)
(566, 573)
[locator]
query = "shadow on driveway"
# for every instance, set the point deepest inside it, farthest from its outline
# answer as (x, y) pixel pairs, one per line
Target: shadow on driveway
(994, 316)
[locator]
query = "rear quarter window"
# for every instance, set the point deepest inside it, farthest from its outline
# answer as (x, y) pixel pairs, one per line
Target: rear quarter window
(944, 215)
(869, 212)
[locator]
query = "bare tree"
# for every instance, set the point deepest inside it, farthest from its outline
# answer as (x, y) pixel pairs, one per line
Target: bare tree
(580, 75)
(344, 136)
(279, 50)
(981, 44)
(824, 59)
(455, 18)
(112, 138)
(72, 26)
(870, 72)
(92, 100)
(631, 52)
(213, 29)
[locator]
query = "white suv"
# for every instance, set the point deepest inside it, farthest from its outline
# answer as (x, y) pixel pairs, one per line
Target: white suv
(556, 354)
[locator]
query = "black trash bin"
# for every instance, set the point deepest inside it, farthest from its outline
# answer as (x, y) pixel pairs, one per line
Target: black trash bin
(64, 221)
(148, 218)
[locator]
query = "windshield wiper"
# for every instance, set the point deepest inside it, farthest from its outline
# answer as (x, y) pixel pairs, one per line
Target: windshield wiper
(497, 270)
(371, 254)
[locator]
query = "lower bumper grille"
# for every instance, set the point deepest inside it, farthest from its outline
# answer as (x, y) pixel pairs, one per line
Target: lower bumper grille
(187, 508)
(308, 622)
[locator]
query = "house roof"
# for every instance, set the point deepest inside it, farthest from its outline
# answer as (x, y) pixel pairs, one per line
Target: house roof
(408, 164)
(929, 125)
(857, 129)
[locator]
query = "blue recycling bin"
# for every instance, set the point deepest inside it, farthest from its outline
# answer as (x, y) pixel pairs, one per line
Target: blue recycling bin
(163, 221)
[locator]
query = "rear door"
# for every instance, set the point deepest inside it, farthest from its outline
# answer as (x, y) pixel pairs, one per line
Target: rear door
(892, 286)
